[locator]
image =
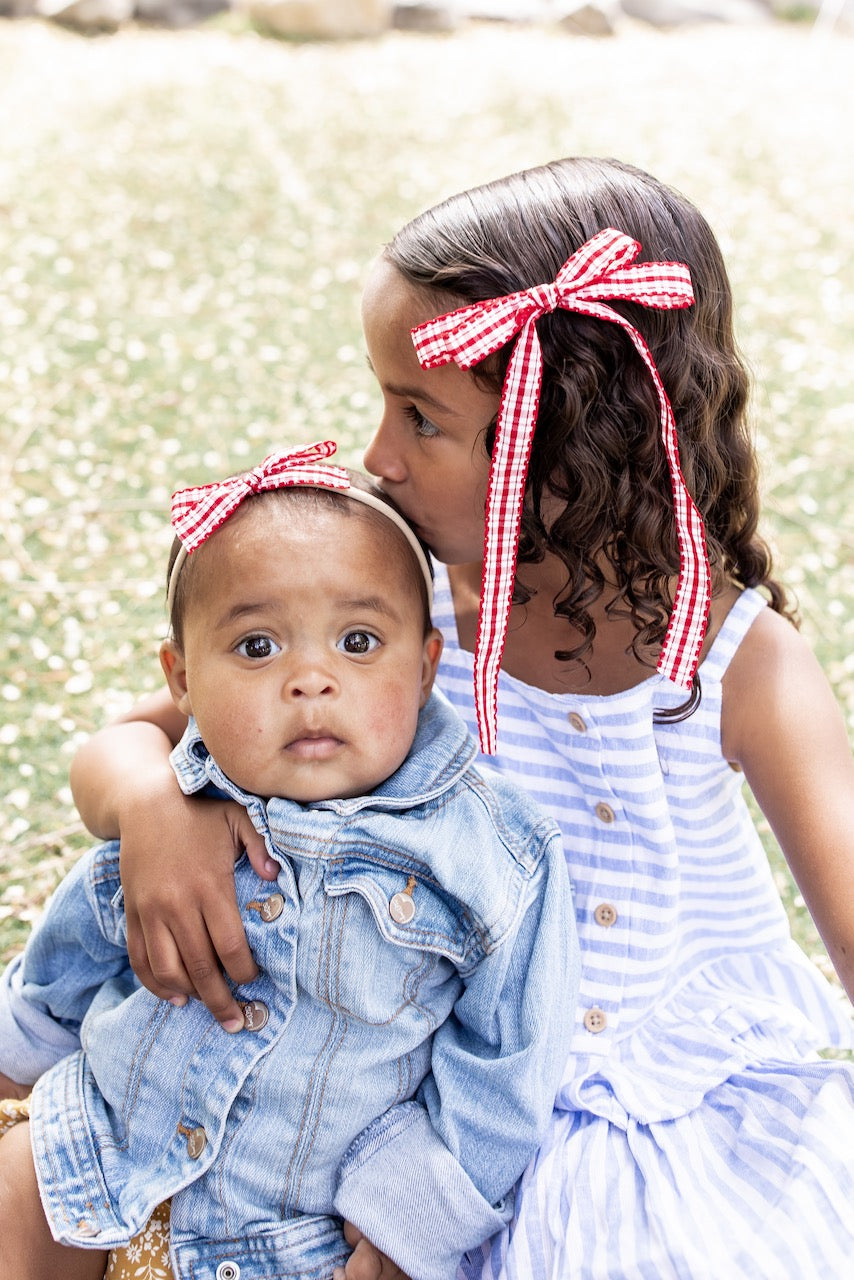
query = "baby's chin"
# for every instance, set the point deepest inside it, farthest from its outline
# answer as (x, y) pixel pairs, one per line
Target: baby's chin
(315, 790)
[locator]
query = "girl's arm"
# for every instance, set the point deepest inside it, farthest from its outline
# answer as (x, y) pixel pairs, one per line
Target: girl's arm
(177, 859)
(782, 725)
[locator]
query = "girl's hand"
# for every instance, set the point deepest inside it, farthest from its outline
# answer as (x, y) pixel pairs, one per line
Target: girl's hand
(366, 1262)
(184, 926)
(11, 1089)
(177, 858)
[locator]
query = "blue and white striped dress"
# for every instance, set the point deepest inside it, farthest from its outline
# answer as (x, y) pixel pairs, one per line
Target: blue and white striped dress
(696, 1133)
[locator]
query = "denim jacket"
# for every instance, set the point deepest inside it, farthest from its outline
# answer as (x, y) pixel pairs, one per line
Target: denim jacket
(418, 971)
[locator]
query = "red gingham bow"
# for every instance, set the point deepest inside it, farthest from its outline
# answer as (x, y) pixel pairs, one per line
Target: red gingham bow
(198, 512)
(601, 269)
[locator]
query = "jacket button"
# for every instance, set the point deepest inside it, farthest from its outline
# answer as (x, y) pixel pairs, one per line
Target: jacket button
(255, 1015)
(604, 812)
(269, 909)
(197, 1140)
(401, 908)
(228, 1271)
(595, 1020)
(605, 914)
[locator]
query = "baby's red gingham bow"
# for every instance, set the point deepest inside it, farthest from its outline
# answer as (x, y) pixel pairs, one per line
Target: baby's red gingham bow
(601, 269)
(198, 512)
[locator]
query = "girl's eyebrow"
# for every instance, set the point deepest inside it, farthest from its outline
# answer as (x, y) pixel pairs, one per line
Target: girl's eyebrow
(411, 393)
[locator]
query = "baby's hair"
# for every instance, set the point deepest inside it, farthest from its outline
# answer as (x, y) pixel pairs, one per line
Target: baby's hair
(308, 495)
(597, 446)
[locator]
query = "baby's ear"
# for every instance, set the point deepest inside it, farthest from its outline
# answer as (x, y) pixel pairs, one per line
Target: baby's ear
(433, 645)
(175, 670)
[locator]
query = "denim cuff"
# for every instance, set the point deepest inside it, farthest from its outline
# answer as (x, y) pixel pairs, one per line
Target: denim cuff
(402, 1187)
(31, 1041)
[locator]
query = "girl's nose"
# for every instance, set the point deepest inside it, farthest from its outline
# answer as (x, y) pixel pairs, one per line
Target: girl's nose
(383, 457)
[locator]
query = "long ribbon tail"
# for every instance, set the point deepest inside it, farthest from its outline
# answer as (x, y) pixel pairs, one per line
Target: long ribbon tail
(517, 419)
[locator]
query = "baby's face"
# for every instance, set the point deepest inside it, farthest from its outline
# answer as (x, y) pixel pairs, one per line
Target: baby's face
(304, 661)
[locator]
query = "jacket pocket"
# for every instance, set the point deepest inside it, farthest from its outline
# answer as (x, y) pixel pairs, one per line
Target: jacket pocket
(391, 944)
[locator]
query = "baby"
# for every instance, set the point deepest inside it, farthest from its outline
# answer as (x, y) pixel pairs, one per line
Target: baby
(417, 958)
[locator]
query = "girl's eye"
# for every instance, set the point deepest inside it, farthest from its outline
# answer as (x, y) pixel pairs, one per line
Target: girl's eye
(257, 647)
(423, 426)
(358, 642)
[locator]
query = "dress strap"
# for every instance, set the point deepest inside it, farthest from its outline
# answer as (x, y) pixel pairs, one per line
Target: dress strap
(736, 625)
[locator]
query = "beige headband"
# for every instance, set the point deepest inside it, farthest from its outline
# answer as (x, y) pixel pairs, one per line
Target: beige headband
(199, 512)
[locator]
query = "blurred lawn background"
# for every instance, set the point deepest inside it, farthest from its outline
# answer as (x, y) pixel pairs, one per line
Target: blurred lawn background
(185, 223)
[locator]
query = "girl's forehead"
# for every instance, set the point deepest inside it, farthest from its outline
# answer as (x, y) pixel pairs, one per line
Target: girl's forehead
(388, 293)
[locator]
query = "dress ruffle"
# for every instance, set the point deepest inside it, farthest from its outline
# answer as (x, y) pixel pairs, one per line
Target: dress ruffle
(734, 1014)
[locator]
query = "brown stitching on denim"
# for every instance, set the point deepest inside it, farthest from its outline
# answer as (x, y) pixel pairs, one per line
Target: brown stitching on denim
(337, 1030)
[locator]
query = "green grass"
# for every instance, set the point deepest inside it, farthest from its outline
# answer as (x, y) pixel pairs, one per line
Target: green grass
(185, 221)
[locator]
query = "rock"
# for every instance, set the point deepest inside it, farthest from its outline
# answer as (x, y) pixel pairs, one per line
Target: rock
(177, 13)
(589, 20)
(412, 16)
(322, 19)
(87, 15)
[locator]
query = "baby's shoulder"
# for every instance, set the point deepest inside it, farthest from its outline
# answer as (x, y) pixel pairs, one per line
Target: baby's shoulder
(522, 828)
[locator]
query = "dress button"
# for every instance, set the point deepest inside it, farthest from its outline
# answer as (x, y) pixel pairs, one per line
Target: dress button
(577, 722)
(227, 1271)
(197, 1140)
(595, 1020)
(605, 914)
(255, 1015)
(604, 812)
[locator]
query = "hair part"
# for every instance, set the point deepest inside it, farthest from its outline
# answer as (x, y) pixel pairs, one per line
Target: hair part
(597, 446)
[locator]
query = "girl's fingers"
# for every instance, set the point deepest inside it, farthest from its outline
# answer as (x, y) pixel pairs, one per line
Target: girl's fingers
(176, 964)
(256, 850)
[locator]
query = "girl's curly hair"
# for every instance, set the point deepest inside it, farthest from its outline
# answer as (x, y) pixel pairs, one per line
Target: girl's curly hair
(597, 447)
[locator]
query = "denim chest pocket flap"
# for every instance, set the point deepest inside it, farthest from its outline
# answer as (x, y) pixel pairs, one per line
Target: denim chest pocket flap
(410, 910)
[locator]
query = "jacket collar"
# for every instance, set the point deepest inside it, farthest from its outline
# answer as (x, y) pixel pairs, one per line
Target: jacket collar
(441, 752)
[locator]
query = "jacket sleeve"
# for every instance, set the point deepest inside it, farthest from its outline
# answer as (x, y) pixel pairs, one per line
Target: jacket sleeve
(78, 944)
(430, 1178)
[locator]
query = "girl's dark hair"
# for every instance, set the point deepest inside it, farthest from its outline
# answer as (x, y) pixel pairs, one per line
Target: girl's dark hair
(598, 447)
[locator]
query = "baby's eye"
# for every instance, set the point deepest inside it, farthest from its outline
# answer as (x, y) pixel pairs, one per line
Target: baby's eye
(358, 642)
(423, 426)
(257, 647)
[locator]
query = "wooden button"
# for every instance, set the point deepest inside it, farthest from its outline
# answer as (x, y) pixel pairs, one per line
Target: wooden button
(604, 812)
(595, 1020)
(605, 914)
(577, 722)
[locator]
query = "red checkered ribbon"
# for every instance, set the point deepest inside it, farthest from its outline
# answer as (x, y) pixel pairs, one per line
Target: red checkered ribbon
(601, 269)
(199, 512)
